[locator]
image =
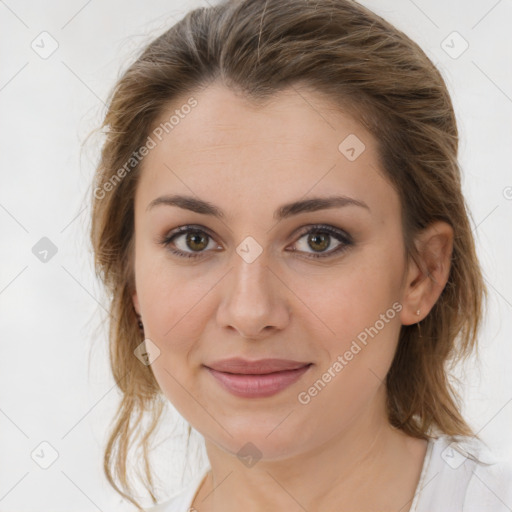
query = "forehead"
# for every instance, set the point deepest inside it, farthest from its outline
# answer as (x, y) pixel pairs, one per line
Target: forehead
(293, 116)
(230, 147)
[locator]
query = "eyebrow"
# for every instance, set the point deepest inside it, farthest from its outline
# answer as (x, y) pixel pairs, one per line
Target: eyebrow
(285, 211)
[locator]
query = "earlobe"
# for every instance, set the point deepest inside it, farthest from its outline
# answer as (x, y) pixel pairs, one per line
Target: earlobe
(427, 276)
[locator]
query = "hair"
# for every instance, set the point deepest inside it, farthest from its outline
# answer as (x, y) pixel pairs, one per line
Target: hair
(360, 62)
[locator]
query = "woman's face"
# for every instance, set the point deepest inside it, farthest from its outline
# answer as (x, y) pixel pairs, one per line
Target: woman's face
(262, 281)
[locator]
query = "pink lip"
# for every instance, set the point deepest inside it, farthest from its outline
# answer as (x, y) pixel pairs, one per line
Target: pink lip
(257, 379)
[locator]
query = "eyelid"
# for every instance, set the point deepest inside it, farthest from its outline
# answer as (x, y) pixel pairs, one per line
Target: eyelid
(323, 227)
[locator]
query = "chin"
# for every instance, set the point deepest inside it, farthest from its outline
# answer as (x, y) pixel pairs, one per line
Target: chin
(261, 439)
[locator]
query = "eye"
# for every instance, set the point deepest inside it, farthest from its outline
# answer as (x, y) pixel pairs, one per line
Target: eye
(187, 237)
(193, 241)
(319, 238)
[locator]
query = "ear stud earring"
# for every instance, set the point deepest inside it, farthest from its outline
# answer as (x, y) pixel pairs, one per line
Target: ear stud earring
(418, 312)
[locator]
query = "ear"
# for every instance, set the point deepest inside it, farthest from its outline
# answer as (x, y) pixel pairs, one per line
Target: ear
(427, 277)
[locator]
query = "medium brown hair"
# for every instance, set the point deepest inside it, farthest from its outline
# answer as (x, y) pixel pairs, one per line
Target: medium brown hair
(361, 63)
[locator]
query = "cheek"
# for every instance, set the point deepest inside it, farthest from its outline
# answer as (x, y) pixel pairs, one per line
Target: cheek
(172, 300)
(356, 310)
(345, 301)
(175, 317)
(176, 307)
(362, 311)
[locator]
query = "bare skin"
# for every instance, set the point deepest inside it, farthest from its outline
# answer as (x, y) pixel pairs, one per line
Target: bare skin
(388, 483)
(337, 451)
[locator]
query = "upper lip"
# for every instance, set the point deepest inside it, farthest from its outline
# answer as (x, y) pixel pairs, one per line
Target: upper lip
(258, 367)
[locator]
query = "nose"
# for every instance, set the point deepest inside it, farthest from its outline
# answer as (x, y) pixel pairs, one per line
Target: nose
(254, 302)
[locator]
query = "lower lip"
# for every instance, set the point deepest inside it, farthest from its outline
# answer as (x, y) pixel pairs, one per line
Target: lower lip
(258, 386)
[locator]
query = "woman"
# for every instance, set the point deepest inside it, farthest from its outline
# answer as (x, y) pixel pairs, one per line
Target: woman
(279, 219)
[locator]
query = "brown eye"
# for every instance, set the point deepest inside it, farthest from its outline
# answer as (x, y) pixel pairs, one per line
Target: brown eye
(187, 241)
(319, 242)
(319, 239)
(193, 242)
(196, 241)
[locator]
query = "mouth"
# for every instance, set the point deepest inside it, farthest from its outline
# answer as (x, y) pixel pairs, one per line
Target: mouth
(256, 380)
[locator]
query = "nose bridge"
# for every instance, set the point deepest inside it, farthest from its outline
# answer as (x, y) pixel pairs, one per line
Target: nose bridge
(251, 297)
(250, 278)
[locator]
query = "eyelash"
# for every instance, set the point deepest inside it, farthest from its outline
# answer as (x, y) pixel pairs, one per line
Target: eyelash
(317, 228)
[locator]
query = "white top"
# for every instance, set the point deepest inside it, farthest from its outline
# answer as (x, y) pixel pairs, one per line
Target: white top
(459, 474)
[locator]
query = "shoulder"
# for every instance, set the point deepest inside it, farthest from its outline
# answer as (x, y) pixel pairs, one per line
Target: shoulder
(463, 474)
(182, 500)
(490, 487)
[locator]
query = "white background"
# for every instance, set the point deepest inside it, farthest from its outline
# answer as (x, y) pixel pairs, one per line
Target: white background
(55, 383)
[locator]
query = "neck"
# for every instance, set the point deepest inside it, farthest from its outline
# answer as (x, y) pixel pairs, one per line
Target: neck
(369, 465)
